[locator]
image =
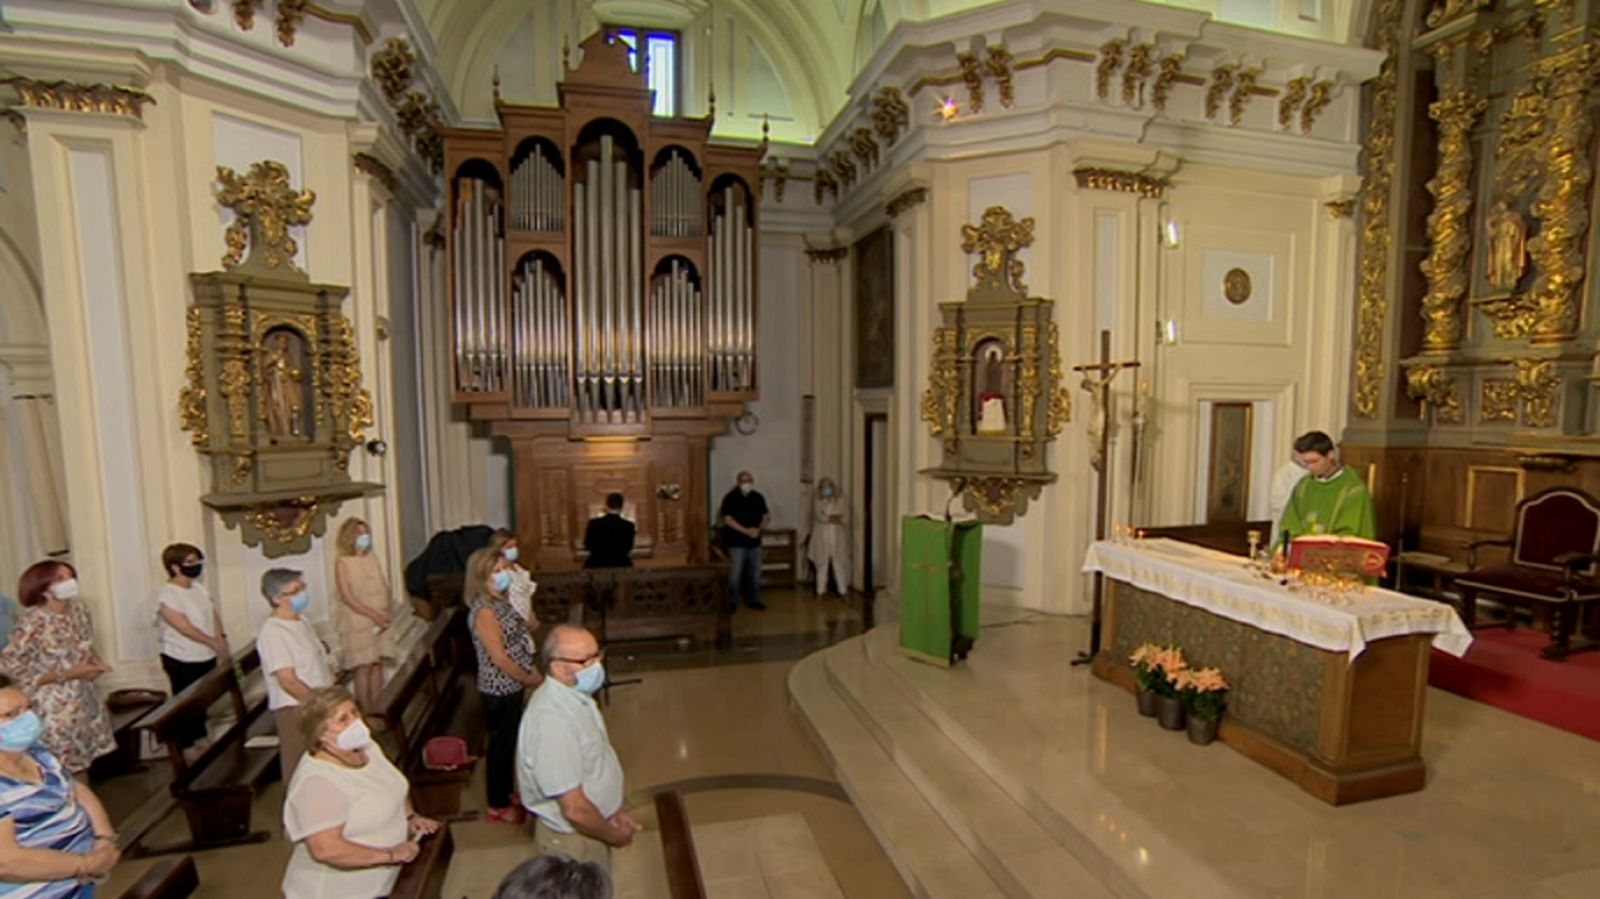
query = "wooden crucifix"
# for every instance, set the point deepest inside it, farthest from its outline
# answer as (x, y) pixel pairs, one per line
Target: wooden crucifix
(1097, 378)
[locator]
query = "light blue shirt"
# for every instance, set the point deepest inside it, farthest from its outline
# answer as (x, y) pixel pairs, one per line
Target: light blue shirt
(562, 744)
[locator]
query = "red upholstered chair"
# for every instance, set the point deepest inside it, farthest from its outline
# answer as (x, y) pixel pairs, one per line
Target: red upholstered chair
(1555, 553)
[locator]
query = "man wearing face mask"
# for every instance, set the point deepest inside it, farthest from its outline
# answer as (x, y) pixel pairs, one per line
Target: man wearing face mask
(567, 772)
(293, 659)
(744, 516)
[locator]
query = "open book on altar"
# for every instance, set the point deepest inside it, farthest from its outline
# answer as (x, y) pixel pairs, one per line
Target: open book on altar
(1339, 555)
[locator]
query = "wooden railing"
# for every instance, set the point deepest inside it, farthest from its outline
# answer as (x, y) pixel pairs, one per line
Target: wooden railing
(677, 848)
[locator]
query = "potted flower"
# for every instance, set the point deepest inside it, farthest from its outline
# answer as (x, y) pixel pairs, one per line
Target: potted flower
(1204, 693)
(1150, 674)
(1170, 710)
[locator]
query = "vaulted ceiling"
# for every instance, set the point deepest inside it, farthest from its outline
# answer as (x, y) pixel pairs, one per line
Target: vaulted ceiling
(794, 59)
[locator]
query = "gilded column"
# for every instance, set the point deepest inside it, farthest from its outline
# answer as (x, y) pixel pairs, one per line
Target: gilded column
(1376, 233)
(1449, 237)
(1562, 206)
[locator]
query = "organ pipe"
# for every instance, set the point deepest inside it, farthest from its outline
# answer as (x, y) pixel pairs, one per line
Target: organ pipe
(477, 290)
(536, 193)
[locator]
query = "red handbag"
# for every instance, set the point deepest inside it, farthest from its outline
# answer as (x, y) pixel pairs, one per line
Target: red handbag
(446, 754)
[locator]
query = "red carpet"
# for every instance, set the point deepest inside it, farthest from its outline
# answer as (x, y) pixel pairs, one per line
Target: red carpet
(1503, 669)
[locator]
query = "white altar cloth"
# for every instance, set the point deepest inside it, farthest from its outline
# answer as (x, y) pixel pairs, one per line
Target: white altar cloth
(1225, 585)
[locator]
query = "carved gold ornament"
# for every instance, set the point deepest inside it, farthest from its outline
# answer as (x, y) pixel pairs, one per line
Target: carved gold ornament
(1444, 11)
(1110, 61)
(1120, 182)
(843, 168)
(827, 255)
(1059, 410)
(192, 398)
(972, 77)
(998, 65)
(101, 99)
(891, 114)
(1244, 86)
(944, 388)
(290, 14)
(1342, 208)
(264, 207)
(905, 200)
(1497, 401)
(1536, 385)
(822, 182)
(776, 171)
(997, 239)
(1166, 72)
(1321, 95)
(1221, 84)
(391, 69)
(1433, 385)
(864, 147)
(1562, 206)
(1449, 235)
(1376, 236)
(288, 523)
(1139, 64)
(1028, 384)
(1294, 94)
(244, 12)
(375, 168)
(997, 499)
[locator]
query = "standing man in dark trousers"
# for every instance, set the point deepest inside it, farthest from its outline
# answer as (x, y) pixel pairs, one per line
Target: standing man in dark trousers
(744, 516)
(609, 538)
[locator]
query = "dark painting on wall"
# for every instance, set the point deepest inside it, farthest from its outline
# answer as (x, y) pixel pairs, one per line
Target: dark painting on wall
(1228, 481)
(874, 300)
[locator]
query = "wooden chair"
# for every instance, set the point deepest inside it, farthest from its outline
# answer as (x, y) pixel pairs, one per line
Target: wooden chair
(1555, 554)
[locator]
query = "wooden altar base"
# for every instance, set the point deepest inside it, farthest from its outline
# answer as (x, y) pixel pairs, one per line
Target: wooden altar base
(1342, 730)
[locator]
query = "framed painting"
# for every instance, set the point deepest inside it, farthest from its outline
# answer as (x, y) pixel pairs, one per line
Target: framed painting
(1228, 471)
(874, 309)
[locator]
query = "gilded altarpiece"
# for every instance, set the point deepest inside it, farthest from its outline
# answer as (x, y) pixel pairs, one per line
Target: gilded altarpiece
(273, 395)
(995, 394)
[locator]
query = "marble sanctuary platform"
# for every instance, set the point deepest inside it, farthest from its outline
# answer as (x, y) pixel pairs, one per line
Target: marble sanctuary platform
(1017, 775)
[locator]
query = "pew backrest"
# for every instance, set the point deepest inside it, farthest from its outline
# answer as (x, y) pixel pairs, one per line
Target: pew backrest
(167, 720)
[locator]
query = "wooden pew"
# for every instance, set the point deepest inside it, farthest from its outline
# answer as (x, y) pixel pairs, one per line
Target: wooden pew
(677, 848)
(423, 878)
(216, 789)
(426, 697)
(172, 878)
(127, 709)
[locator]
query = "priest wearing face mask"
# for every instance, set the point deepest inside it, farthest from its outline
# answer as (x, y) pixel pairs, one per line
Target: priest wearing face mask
(347, 809)
(568, 773)
(191, 628)
(51, 655)
(293, 659)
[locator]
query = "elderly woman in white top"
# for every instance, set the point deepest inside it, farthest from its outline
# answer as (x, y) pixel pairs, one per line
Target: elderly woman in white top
(829, 549)
(191, 628)
(346, 810)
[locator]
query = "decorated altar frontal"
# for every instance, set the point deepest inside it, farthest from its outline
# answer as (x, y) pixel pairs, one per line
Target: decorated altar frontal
(1326, 689)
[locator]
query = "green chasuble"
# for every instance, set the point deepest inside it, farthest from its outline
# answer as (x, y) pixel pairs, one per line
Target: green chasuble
(1340, 505)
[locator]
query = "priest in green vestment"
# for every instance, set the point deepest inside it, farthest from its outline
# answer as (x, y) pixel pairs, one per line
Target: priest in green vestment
(1330, 499)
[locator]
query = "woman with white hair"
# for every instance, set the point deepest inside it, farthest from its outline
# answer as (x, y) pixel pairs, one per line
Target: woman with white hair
(829, 550)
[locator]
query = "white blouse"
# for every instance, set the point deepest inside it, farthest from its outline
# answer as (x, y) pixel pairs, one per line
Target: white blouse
(369, 803)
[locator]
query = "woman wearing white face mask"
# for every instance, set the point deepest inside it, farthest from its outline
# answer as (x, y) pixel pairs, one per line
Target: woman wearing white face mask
(506, 666)
(829, 549)
(346, 809)
(52, 657)
(363, 610)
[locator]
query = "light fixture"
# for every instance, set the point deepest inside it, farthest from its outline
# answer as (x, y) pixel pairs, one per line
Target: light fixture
(377, 447)
(1170, 232)
(949, 108)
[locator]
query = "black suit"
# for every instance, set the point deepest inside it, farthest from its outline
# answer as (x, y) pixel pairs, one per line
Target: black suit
(609, 540)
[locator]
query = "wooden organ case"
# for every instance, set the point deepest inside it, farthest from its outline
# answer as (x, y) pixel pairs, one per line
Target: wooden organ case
(602, 270)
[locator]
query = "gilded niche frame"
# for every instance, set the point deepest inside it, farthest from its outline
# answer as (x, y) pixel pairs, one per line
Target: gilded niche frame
(995, 394)
(272, 395)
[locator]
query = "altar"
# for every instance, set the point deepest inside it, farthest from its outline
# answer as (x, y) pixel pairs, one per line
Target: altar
(1328, 691)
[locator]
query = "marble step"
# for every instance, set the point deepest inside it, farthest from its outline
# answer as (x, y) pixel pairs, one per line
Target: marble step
(1022, 857)
(931, 860)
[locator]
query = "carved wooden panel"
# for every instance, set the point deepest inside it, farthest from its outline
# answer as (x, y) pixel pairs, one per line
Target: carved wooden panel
(591, 485)
(555, 529)
(1493, 492)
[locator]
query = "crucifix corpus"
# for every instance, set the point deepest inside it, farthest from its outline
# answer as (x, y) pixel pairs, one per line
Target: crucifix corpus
(1097, 378)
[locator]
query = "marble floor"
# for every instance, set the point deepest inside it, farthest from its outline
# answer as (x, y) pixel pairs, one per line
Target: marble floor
(768, 819)
(1052, 785)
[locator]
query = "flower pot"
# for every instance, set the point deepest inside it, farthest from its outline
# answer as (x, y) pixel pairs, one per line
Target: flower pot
(1147, 702)
(1170, 712)
(1201, 731)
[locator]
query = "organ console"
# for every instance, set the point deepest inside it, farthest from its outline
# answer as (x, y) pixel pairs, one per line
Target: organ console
(602, 273)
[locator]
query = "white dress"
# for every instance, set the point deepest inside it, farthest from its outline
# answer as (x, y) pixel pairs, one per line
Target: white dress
(830, 543)
(368, 802)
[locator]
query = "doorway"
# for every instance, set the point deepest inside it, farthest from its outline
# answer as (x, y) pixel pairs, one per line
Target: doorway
(875, 524)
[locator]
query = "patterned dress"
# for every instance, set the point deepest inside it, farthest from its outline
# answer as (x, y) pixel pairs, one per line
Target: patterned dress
(46, 815)
(77, 728)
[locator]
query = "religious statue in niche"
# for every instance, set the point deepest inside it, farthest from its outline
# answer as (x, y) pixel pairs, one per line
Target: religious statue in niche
(991, 389)
(1508, 246)
(284, 379)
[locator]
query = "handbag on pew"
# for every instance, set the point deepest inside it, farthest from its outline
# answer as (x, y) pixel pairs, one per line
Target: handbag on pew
(446, 753)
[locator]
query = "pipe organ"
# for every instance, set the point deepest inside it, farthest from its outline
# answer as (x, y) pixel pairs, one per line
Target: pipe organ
(602, 268)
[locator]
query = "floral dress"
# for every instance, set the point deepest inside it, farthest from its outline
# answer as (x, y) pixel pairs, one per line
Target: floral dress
(77, 728)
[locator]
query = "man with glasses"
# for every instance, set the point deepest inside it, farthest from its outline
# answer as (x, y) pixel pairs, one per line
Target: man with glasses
(567, 771)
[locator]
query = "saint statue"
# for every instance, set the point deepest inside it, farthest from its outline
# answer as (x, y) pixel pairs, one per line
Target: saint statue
(281, 388)
(1508, 241)
(992, 396)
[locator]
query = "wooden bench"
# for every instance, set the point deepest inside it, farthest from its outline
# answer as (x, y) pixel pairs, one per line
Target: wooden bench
(426, 697)
(215, 790)
(646, 601)
(127, 708)
(172, 878)
(677, 848)
(423, 878)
